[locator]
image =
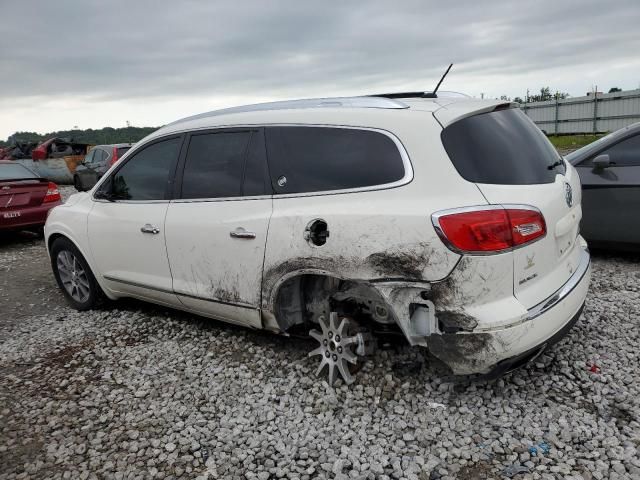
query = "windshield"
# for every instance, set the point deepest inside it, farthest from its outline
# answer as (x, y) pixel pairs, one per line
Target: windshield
(502, 147)
(15, 171)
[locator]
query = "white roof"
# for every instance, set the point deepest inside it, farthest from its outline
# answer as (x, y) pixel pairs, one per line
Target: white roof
(446, 109)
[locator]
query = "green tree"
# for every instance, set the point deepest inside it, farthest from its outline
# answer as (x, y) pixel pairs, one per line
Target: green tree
(102, 136)
(545, 94)
(614, 89)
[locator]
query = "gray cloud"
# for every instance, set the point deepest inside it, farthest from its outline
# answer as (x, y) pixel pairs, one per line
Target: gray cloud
(133, 50)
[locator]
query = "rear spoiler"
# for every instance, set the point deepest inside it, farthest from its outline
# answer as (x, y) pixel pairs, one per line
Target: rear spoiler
(458, 110)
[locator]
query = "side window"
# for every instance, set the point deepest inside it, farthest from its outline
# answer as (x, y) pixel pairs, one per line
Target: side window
(255, 170)
(585, 163)
(626, 153)
(146, 173)
(89, 158)
(314, 159)
(214, 165)
(99, 156)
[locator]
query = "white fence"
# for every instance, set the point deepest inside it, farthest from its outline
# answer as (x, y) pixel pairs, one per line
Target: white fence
(594, 113)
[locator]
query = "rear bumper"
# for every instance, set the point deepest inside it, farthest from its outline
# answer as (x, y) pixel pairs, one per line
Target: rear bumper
(496, 350)
(29, 217)
(509, 364)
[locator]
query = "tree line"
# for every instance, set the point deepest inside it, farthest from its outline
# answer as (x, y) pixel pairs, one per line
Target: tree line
(109, 135)
(103, 136)
(546, 94)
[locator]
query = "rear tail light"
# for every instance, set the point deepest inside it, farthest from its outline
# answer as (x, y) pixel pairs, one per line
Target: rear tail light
(486, 230)
(53, 195)
(114, 156)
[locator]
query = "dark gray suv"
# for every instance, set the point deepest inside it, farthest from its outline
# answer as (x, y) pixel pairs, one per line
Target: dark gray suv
(96, 163)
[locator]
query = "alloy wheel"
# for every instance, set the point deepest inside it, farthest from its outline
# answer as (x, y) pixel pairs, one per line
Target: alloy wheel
(73, 276)
(336, 348)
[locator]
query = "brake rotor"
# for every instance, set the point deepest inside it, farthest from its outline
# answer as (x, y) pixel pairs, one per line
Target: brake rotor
(336, 347)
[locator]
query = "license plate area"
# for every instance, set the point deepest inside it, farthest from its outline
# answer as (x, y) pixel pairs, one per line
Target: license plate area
(565, 243)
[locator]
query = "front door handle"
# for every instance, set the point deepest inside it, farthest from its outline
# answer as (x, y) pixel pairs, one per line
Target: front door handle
(148, 228)
(242, 233)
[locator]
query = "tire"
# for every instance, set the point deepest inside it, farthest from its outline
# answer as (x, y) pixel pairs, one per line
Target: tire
(76, 183)
(74, 277)
(39, 231)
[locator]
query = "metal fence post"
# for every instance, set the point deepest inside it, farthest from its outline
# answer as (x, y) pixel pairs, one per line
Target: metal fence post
(556, 121)
(595, 109)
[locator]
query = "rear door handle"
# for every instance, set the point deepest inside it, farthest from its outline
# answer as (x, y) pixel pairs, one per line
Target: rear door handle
(148, 228)
(242, 233)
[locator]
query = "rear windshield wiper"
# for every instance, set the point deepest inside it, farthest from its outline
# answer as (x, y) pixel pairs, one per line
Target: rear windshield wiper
(555, 164)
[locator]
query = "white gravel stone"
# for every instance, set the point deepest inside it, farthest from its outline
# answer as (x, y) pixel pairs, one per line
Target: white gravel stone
(138, 391)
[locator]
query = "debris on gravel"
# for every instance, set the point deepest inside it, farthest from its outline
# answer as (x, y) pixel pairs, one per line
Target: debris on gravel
(138, 391)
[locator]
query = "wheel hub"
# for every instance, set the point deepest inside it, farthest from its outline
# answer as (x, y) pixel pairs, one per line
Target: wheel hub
(336, 348)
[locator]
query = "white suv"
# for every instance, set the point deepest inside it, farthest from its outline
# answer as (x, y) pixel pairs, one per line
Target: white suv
(452, 221)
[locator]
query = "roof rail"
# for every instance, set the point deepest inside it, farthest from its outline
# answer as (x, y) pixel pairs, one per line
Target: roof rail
(444, 93)
(336, 102)
(402, 95)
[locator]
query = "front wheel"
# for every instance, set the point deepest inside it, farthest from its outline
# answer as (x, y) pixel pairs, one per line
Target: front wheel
(73, 275)
(76, 183)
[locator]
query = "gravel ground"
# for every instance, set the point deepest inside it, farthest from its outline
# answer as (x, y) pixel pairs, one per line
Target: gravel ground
(138, 391)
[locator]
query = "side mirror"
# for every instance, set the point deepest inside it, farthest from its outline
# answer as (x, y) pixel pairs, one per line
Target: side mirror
(601, 162)
(102, 195)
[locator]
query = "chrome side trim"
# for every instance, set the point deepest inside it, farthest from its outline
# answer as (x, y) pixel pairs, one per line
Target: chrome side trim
(564, 291)
(177, 293)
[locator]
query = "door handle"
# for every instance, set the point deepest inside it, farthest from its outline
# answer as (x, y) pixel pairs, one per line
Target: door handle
(148, 228)
(242, 233)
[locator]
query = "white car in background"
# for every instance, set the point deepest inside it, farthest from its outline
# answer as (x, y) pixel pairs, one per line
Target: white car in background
(451, 221)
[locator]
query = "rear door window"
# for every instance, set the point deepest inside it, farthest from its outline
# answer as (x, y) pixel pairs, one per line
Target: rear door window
(214, 164)
(255, 178)
(316, 159)
(100, 156)
(89, 158)
(501, 147)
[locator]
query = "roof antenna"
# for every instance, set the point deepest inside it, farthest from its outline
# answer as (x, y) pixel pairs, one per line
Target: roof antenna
(433, 94)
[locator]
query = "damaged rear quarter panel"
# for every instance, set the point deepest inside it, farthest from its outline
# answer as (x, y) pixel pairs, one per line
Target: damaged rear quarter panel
(390, 244)
(375, 235)
(467, 304)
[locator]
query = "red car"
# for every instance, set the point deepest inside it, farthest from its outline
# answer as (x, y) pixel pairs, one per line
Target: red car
(25, 198)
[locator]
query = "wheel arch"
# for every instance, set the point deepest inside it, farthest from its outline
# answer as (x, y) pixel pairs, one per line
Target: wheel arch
(56, 235)
(301, 296)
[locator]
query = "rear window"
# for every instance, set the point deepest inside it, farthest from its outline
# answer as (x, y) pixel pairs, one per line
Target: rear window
(501, 147)
(122, 151)
(15, 171)
(314, 159)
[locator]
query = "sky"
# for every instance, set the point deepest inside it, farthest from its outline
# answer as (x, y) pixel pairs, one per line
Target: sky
(93, 64)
